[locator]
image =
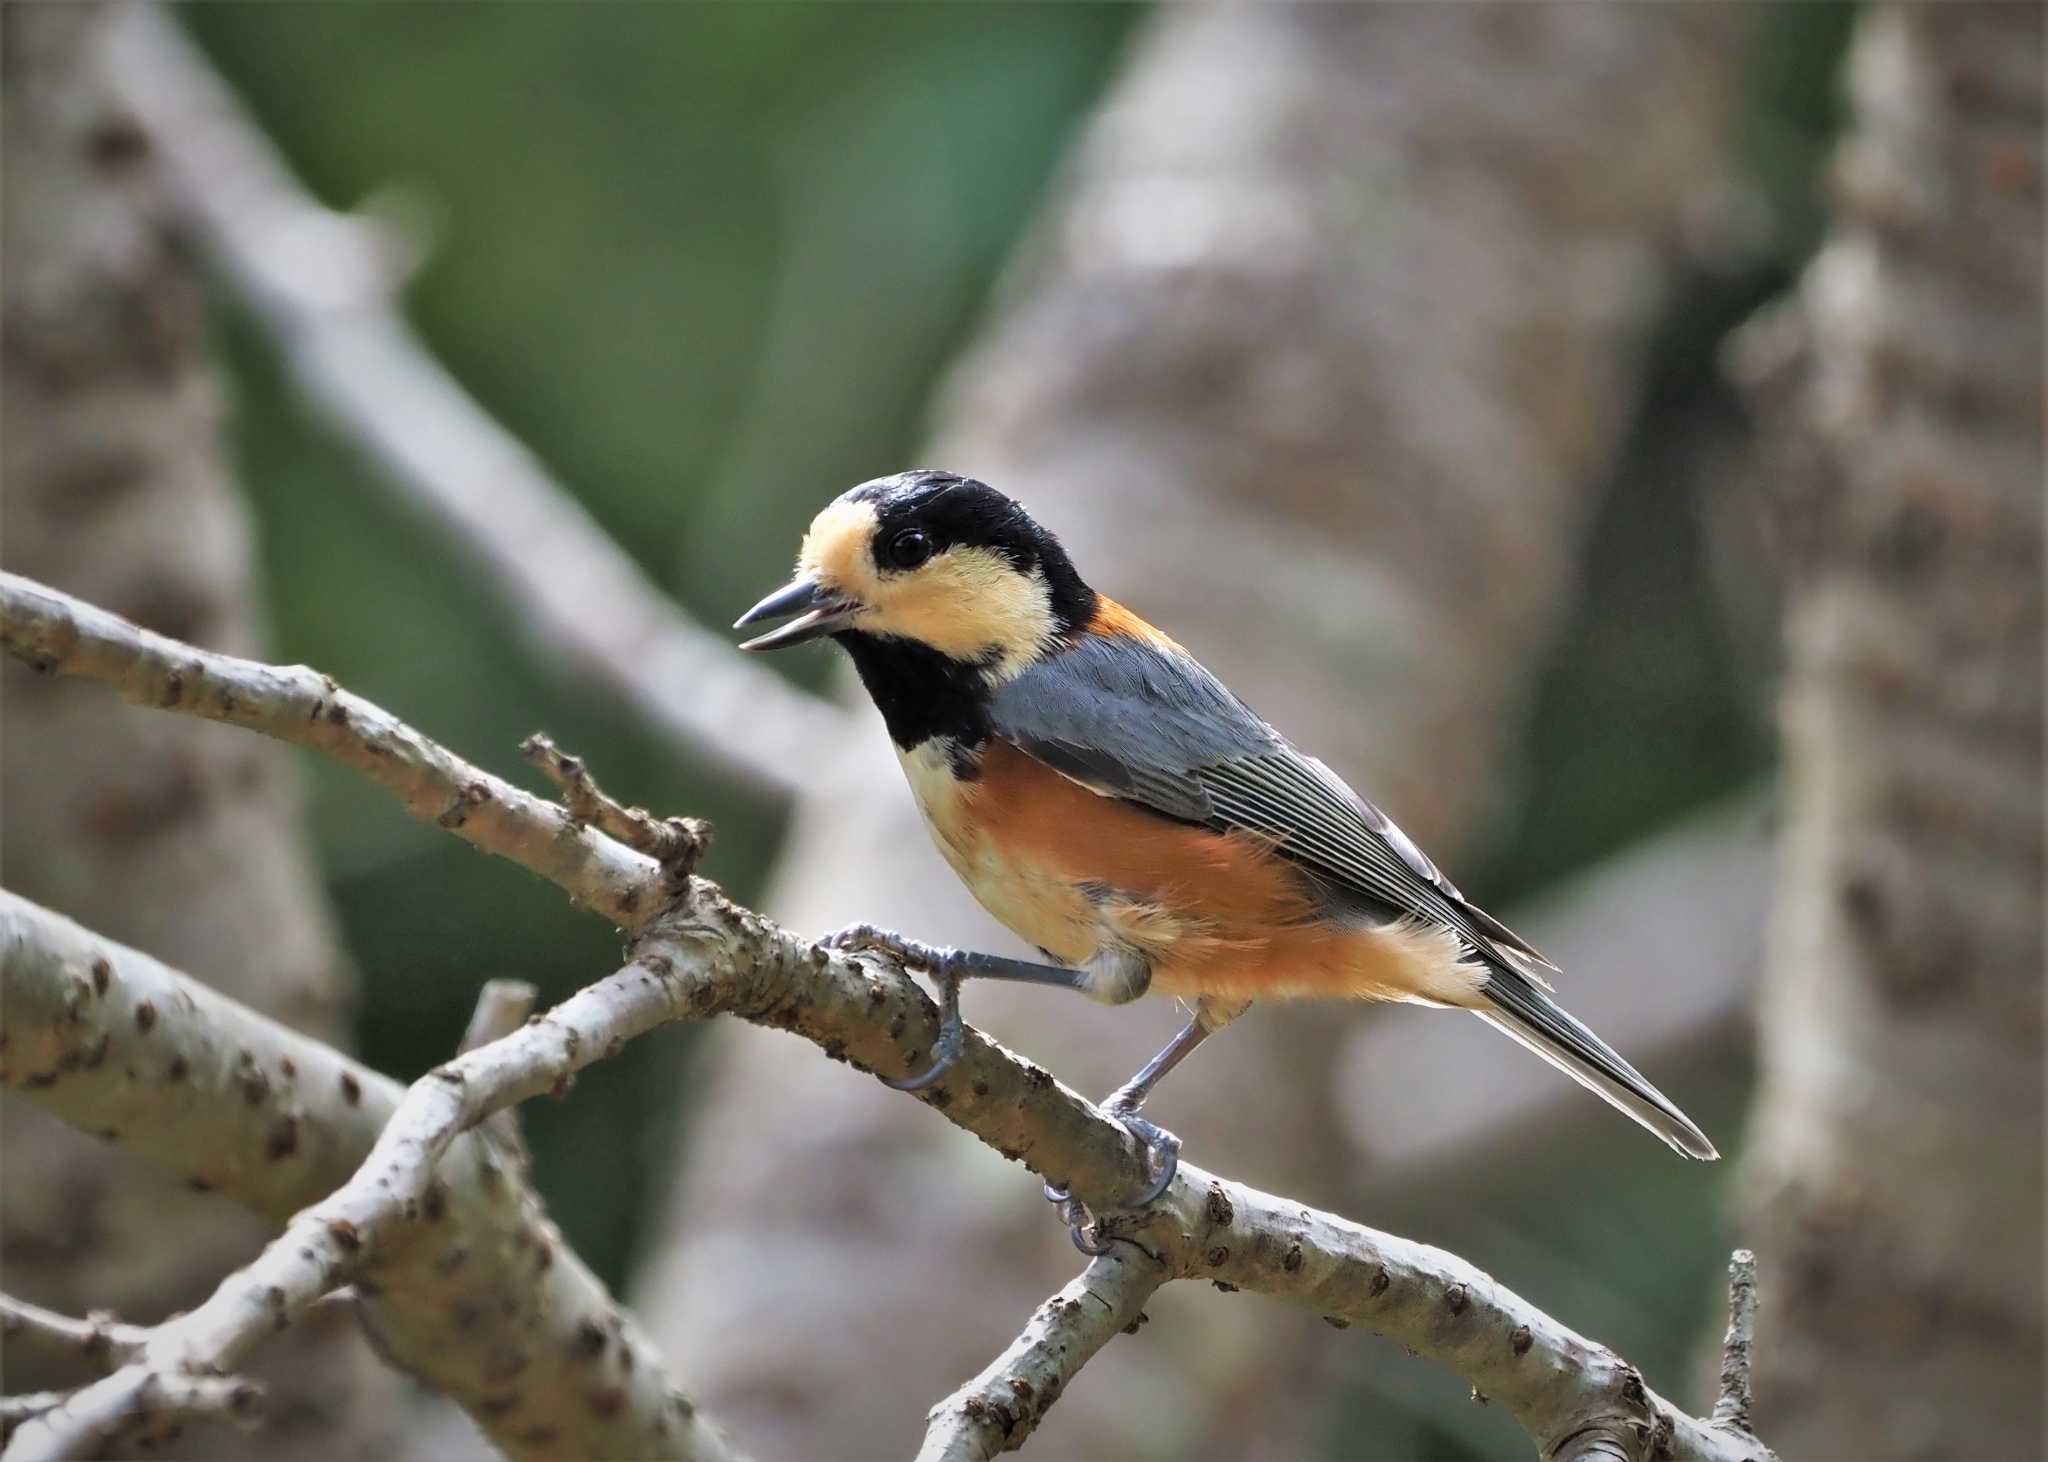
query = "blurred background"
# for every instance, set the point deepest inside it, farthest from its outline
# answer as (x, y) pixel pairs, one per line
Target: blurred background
(1442, 375)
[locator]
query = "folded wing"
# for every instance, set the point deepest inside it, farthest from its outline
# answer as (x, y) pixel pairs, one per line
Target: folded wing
(1134, 720)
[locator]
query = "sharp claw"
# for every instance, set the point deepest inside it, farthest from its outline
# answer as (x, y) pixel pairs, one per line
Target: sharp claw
(1082, 1227)
(856, 938)
(1162, 1157)
(1088, 1238)
(1162, 1153)
(1153, 1194)
(938, 1068)
(946, 1049)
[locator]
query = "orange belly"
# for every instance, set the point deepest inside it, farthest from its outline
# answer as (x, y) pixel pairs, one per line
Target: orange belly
(1215, 914)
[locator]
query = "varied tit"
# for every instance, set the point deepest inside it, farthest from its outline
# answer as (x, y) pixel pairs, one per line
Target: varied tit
(1112, 803)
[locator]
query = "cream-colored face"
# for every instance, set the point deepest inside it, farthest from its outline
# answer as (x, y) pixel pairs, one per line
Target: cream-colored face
(965, 602)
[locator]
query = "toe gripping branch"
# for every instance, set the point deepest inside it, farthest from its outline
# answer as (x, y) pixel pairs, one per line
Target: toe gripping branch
(943, 965)
(949, 968)
(1162, 1160)
(952, 1035)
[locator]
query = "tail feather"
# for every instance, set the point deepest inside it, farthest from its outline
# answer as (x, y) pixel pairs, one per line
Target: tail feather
(1518, 1009)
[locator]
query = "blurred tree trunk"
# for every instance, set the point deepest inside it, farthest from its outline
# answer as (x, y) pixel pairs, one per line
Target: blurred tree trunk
(178, 837)
(1893, 1185)
(1316, 361)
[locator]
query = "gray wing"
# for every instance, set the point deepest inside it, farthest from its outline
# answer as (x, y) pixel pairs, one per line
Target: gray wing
(1130, 720)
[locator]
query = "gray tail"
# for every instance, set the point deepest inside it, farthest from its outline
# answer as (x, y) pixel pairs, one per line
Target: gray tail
(1524, 1012)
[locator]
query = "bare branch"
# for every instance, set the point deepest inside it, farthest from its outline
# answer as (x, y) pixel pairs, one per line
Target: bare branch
(1731, 1408)
(472, 1291)
(338, 1238)
(674, 842)
(706, 955)
(153, 1410)
(14, 1410)
(321, 285)
(54, 632)
(997, 1410)
(100, 1337)
(500, 1006)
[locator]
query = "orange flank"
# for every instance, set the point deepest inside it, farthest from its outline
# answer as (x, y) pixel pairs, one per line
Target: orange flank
(1216, 914)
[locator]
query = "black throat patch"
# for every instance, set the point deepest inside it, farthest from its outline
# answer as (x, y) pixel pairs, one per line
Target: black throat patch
(923, 694)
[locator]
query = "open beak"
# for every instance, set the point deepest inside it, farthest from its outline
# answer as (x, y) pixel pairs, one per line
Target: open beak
(819, 612)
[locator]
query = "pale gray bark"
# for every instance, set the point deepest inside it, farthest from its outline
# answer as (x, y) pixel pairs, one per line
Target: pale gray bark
(166, 833)
(59, 634)
(469, 1287)
(1315, 362)
(1001, 1407)
(1893, 1187)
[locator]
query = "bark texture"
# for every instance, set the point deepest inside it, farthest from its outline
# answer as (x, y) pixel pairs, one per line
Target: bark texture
(180, 838)
(1315, 361)
(465, 1281)
(1894, 1183)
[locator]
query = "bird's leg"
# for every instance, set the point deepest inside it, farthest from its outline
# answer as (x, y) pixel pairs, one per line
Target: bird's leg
(1162, 1148)
(949, 967)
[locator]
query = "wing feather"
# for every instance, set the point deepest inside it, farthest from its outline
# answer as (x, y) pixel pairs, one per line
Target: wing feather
(1136, 721)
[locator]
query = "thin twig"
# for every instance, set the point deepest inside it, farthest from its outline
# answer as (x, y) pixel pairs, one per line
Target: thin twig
(674, 842)
(997, 1410)
(53, 632)
(14, 1410)
(1732, 1406)
(152, 1410)
(321, 285)
(100, 1337)
(500, 1008)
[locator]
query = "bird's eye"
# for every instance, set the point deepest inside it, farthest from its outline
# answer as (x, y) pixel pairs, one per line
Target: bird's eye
(908, 550)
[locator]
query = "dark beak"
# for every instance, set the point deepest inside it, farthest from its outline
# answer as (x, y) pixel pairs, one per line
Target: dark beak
(819, 612)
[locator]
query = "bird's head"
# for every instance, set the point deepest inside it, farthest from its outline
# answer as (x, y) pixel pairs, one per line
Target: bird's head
(941, 561)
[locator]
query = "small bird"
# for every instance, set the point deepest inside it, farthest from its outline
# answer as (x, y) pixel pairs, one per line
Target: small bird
(1111, 802)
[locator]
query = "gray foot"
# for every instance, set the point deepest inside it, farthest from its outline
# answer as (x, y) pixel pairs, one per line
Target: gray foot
(1162, 1161)
(942, 965)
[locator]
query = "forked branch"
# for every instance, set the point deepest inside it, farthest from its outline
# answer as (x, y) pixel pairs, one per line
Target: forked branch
(99, 1338)
(468, 1286)
(697, 954)
(998, 1409)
